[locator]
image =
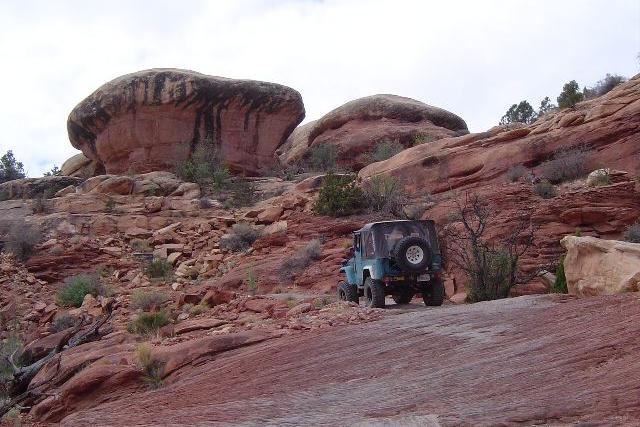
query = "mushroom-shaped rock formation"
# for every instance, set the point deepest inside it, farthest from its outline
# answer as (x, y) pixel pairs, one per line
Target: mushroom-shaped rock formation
(358, 126)
(155, 119)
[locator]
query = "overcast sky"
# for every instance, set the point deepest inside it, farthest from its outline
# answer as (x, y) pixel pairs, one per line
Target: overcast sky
(474, 58)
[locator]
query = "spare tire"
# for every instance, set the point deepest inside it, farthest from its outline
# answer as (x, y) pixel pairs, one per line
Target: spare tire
(412, 254)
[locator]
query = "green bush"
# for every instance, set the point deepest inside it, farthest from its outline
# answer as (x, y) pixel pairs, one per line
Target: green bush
(492, 280)
(323, 158)
(339, 196)
(240, 193)
(385, 150)
(205, 168)
(545, 189)
(158, 269)
(148, 323)
(560, 285)
(152, 368)
(384, 193)
(519, 113)
(72, 293)
(147, 300)
(55, 171)
(570, 95)
(632, 233)
(241, 237)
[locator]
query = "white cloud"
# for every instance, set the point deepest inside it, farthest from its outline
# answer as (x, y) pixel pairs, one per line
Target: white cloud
(472, 58)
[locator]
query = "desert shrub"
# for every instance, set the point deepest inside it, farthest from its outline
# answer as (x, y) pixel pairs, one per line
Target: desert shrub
(492, 281)
(55, 171)
(241, 237)
(240, 193)
(205, 168)
(545, 189)
(514, 173)
(205, 203)
(63, 322)
(323, 158)
(40, 205)
(339, 196)
(318, 303)
(110, 205)
(10, 168)
(600, 177)
(312, 251)
(422, 139)
(519, 113)
(73, 291)
(8, 346)
(148, 323)
(632, 233)
(150, 365)
(22, 239)
(140, 245)
(565, 165)
(570, 95)
(250, 280)
(384, 194)
(545, 107)
(603, 86)
(560, 285)
(199, 308)
(158, 269)
(385, 150)
(147, 300)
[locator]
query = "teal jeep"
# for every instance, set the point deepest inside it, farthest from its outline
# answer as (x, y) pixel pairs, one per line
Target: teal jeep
(397, 258)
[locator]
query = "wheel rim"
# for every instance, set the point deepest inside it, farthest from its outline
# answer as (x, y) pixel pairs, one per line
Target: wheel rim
(415, 254)
(341, 295)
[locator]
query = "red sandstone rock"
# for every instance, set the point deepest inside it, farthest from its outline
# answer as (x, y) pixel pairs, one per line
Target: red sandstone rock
(152, 120)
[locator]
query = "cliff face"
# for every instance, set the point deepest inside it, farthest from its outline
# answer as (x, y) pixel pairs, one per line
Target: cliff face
(154, 119)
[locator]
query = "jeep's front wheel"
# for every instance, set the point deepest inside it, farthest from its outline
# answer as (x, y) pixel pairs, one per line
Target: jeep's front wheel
(433, 294)
(348, 292)
(374, 293)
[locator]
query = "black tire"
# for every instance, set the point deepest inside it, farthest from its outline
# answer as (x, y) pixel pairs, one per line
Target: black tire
(404, 297)
(433, 294)
(348, 292)
(374, 293)
(405, 256)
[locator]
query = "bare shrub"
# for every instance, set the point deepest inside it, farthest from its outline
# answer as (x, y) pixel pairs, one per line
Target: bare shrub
(158, 269)
(632, 233)
(323, 158)
(63, 322)
(21, 239)
(241, 237)
(566, 165)
(491, 267)
(545, 189)
(147, 300)
(41, 205)
(291, 266)
(384, 193)
(514, 173)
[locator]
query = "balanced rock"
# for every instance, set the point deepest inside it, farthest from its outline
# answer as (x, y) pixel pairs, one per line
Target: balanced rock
(357, 127)
(155, 119)
(81, 166)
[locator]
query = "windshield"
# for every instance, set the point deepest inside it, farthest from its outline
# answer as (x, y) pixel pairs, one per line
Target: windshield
(386, 235)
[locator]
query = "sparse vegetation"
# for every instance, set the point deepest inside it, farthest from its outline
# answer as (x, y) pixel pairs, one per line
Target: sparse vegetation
(22, 239)
(339, 196)
(383, 151)
(323, 158)
(199, 308)
(148, 323)
(491, 267)
(150, 365)
(65, 321)
(560, 285)
(72, 293)
(140, 245)
(158, 269)
(514, 173)
(40, 205)
(603, 86)
(632, 233)
(570, 95)
(422, 139)
(384, 193)
(545, 189)
(241, 237)
(291, 266)
(205, 168)
(109, 205)
(10, 168)
(147, 300)
(239, 193)
(8, 346)
(252, 283)
(565, 165)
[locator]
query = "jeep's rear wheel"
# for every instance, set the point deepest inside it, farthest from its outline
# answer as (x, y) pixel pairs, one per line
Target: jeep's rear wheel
(374, 293)
(348, 292)
(433, 294)
(403, 297)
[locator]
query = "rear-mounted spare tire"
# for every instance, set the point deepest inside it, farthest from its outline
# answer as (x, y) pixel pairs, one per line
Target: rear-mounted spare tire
(412, 254)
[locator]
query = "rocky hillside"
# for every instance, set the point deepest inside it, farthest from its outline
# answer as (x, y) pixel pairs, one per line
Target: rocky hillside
(129, 278)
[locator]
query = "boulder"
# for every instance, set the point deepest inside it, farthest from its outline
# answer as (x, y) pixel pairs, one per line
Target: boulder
(357, 127)
(81, 166)
(153, 120)
(595, 266)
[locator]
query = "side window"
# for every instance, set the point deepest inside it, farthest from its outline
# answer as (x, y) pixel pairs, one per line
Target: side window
(368, 245)
(356, 242)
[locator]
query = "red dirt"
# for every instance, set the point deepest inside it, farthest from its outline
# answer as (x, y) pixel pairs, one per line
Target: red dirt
(535, 360)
